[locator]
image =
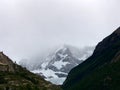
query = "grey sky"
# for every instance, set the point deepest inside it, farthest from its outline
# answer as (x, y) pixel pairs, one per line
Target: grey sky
(29, 27)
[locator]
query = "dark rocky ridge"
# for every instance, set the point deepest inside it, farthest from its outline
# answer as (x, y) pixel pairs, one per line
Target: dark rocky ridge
(108, 42)
(101, 70)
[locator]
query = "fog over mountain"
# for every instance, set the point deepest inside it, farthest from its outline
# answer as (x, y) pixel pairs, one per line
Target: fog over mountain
(30, 27)
(38, 59)
(55, 66)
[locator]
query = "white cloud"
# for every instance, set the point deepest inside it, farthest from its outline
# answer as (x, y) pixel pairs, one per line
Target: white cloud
(28, 27)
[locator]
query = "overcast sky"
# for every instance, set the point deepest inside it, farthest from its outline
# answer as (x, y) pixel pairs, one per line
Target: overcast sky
(29, 27)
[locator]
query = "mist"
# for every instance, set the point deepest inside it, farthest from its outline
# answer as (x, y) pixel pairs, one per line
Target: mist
(29, 28)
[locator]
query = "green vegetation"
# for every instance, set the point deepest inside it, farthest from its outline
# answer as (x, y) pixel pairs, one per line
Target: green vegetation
(14, 77)
(24, 80)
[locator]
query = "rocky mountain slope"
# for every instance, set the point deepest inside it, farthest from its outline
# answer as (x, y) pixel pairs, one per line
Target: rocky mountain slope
(58, 64)
(101, 70)
(14, 77)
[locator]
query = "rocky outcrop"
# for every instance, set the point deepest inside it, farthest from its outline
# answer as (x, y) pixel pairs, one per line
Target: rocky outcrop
(5, 63)
(4, 67)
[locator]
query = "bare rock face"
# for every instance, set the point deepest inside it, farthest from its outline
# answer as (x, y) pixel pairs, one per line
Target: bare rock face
(3, 67)
(5, 63)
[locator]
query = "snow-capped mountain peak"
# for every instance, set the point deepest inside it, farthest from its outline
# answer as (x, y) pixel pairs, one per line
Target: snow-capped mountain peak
(59, 62)
(62, 61)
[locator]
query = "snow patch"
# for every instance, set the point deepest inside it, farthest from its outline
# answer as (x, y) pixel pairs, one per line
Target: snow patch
(60, 64)
(46, 73)
(44, 65)
(51, 76)
(63, 56)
